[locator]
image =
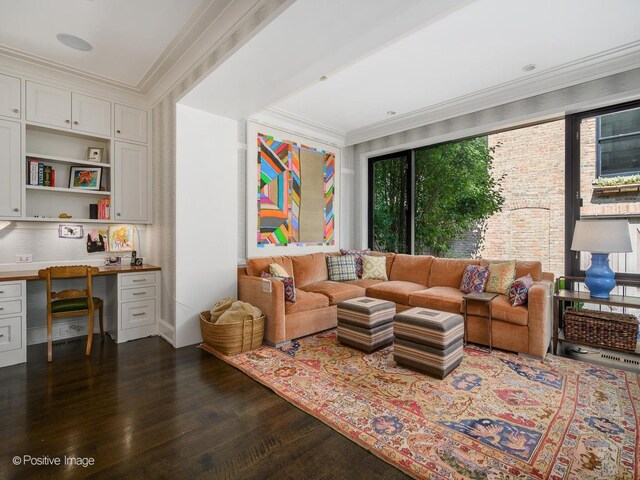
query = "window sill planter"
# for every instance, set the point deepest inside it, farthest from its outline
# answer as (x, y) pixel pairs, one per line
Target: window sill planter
(616, 189)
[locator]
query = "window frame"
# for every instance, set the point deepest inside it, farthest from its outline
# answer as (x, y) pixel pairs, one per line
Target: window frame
(600, 139)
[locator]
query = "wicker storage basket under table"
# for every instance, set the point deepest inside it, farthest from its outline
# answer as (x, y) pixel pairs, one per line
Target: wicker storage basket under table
(606, 329)
(232, 338)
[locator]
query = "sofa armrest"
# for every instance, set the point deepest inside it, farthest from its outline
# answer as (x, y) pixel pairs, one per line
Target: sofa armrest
(250, 289)
(540, 297)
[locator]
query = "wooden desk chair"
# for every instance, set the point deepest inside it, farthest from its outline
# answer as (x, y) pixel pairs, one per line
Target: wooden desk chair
(71, 303)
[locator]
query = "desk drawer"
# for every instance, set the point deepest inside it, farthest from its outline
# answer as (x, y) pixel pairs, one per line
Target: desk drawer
(10, 334)
(143, 293)
(10, 290)
(138, 314)
(8, 307)
(138, 279)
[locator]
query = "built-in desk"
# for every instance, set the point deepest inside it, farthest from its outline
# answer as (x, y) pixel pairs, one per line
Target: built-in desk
(132, 307)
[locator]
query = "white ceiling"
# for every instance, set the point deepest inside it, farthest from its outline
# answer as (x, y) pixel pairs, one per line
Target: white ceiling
(128, 36)
(475, 48)
(415, 56)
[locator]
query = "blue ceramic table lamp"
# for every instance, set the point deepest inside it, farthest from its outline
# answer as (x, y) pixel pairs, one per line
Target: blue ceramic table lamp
(600, 238)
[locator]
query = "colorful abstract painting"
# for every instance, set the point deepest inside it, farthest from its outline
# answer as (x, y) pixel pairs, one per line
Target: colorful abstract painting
(281, 193)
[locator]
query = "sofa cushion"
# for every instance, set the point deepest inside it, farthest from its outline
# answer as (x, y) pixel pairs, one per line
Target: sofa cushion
(309, 269)
(445, 299)
(411, 268)
(336, 292)
(305, 301)
(287, 282)
(255, 266)
(519, 290)
(447, 272)
(501, 276)
(501, 309)
(389, 256)
(395, 291)
(358, 254)
(532, 268)
(474, 278)
(341, 268)
(364, 283)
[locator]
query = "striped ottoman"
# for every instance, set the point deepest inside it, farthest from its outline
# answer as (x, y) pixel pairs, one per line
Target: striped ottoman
(366, 323)
(428, 340)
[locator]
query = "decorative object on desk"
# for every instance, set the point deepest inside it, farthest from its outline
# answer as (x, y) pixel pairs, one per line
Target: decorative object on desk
(600, 238)
(95, 154)
(62, 215)
(605, 329)
(121, 238)
(112, 261)
(135, 260)
(85, 178)
(70, 231)
(96, 241)
(93, 211)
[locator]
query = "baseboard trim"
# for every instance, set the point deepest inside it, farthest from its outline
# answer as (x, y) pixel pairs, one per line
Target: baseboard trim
(167, 332)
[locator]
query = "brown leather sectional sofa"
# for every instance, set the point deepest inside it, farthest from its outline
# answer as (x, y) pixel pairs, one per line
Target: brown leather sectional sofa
(414, 281)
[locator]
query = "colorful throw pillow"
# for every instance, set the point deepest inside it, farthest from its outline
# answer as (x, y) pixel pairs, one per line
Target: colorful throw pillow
(501, 276)
(341, 268)
(278, 270)
(474, 279)
(358, 254)
(519, 290)
(287, 282)
(374, 268)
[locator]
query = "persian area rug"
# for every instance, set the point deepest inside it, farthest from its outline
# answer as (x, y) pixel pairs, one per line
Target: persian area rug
(497, 416)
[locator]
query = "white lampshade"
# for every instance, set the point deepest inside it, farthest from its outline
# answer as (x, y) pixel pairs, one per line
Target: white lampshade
(601, 236)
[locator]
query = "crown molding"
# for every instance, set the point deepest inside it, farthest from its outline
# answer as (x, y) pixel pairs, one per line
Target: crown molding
(589, 68)
(278, 118)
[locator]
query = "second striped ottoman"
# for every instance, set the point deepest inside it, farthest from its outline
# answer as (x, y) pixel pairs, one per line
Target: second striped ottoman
(366, 323)
(428, 340)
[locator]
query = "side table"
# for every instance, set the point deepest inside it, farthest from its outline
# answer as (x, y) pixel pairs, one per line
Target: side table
(483, 297)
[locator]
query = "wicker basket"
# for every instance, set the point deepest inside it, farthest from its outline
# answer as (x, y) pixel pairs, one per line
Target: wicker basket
(606, 329)
(232, 338)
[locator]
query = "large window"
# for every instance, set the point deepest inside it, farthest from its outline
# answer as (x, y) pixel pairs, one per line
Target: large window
(495, 196)
(618, 139)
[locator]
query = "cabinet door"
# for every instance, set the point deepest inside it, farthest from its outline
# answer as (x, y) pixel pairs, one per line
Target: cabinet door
(131, 185)
(9, 96)
(48, 105)
(130, 124)
(10, 183)
(90, 115)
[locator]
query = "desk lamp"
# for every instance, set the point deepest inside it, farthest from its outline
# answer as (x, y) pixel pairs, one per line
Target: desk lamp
(600, 238)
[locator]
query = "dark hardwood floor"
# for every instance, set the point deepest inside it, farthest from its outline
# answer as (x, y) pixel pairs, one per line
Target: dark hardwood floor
(145, 410)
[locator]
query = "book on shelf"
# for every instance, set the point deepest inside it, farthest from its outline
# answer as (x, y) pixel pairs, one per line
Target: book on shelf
(32, 172)
(104, 209)
(46, 177)
(41, 174)
(53, 177)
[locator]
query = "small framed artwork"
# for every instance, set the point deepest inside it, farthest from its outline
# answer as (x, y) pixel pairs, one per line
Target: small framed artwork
(120, 238)
(112, 261)
(95, 154)
(85, 178)
(70, 231)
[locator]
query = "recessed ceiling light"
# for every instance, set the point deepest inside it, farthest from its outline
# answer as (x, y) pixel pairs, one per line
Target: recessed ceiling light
(324, 78)
(528, 68)
(74, 42)
(391, 112)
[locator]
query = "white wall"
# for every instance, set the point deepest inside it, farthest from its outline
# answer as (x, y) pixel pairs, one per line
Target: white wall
(206, 216)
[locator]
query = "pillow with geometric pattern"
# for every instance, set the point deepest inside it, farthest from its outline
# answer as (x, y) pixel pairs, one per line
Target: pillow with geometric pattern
(341, 268)
(474, 278)
(519, 290)
(501, 276)
(358, 254)
(287, 282)
(374, 268)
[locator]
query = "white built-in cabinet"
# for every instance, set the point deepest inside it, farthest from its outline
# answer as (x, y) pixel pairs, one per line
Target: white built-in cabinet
(62, 108)
(10, 169)
(10, 88)
(130, 124)
(58, 128)
(131, 169)
(13, 323)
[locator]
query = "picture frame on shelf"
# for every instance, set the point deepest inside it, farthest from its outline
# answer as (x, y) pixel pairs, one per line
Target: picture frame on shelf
(94, 154)
(85, 178)
(70, 231)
